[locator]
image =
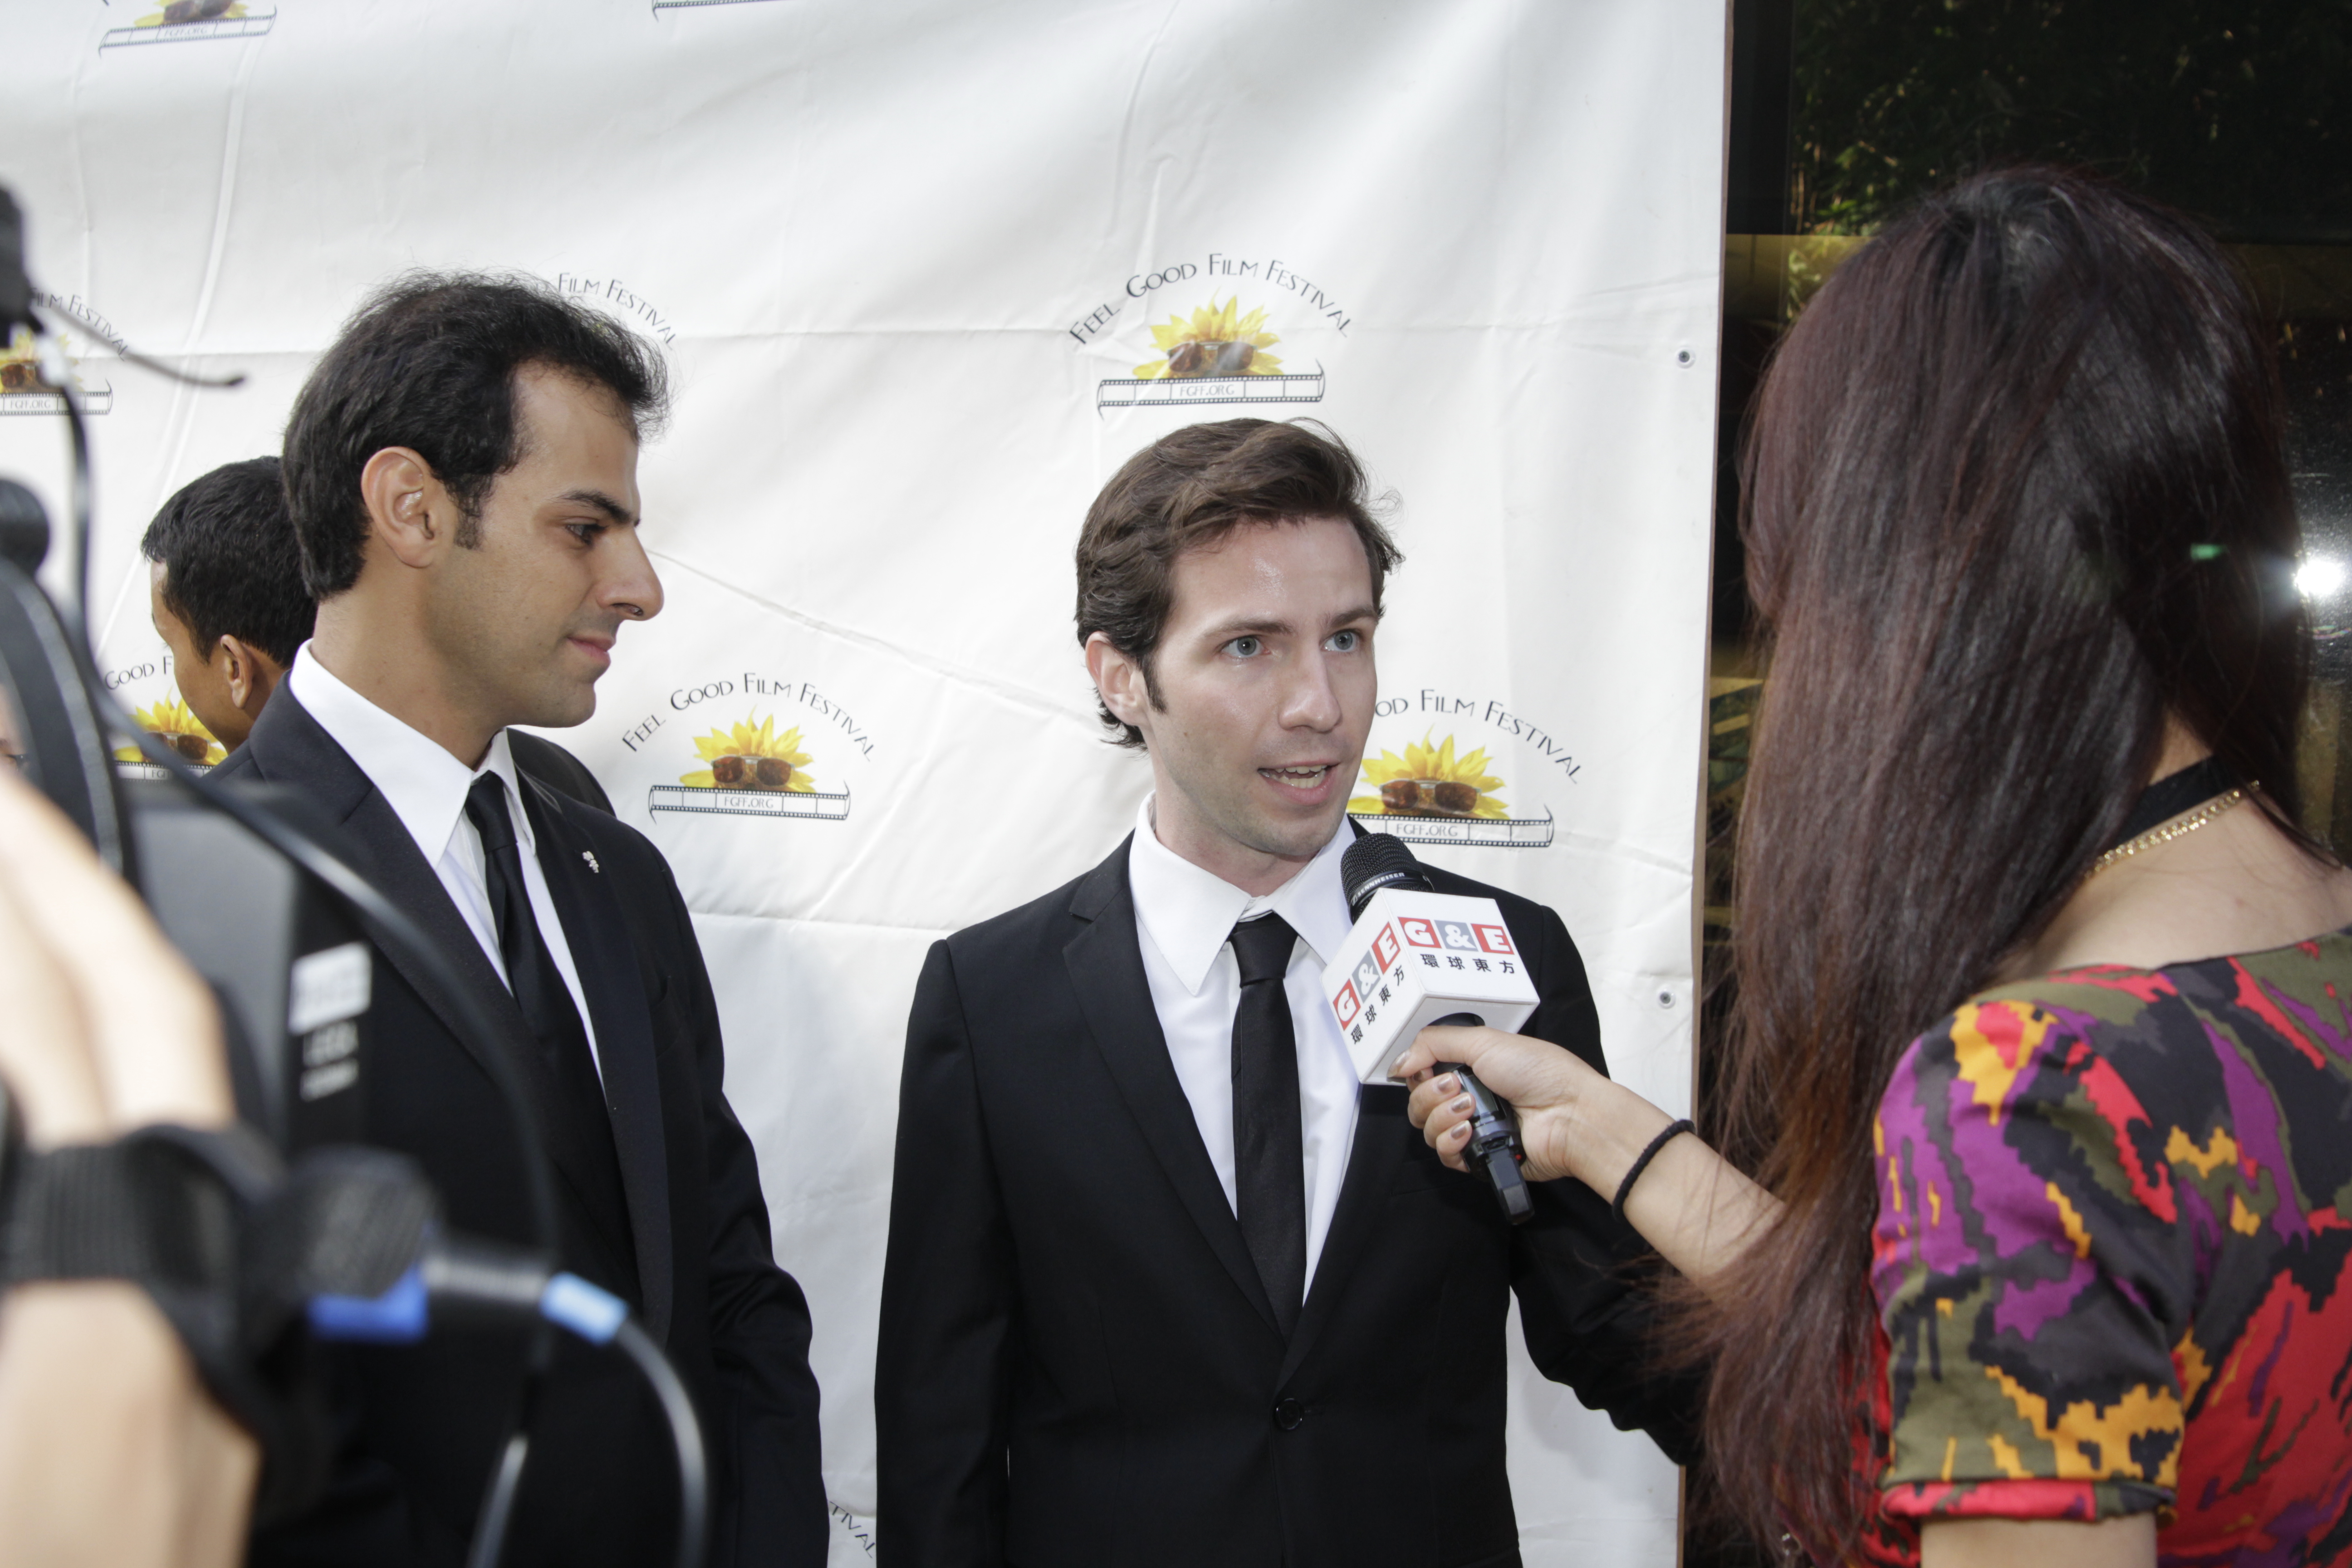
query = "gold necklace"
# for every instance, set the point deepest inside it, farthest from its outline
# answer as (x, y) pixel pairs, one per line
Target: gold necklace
(2164, 833)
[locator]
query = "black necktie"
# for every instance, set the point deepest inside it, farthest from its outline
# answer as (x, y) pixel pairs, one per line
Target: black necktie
(547, 1007)
(1269, 1149)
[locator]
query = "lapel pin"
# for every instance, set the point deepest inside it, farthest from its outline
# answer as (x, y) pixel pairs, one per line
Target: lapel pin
(590, 856)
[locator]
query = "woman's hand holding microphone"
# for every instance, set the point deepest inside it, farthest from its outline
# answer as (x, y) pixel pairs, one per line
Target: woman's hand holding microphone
(1687, 1201)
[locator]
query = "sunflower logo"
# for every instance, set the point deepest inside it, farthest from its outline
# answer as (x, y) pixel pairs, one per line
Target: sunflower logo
(1430, 781)
(745, 757)
(19, 371)
(172, 722)
(179, 11)
(1217, 341)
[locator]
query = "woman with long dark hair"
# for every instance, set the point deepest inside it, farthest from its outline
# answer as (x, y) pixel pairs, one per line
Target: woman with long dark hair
(2041, 1048)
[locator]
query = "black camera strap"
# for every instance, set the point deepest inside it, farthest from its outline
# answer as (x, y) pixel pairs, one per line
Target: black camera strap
(164, 1209)
(160, 1209)
(229, 1247)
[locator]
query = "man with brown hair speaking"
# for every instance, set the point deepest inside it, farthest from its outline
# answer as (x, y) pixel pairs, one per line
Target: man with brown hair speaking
(1164, 1285)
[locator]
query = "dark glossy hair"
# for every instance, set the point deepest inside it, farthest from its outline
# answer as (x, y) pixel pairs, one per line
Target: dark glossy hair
(1191, 488)
(429, 362)
(231, 565)
(2014, 491)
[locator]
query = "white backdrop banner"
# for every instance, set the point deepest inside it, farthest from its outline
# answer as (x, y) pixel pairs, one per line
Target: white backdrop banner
(927, 271)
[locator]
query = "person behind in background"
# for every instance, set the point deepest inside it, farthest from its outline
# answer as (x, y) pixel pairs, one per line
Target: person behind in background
(228, 599)
(2041, 1043)
(1154, 1253)
(225, 591)
(462, 466)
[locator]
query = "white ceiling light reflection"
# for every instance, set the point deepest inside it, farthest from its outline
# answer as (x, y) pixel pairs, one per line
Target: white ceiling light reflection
(2319, 577)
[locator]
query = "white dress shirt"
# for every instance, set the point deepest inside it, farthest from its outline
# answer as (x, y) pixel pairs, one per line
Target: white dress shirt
(427, 788)
(1183, 917)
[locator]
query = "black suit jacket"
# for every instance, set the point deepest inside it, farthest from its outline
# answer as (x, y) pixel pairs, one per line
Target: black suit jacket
(558, 769)
(421, 1424)
(1078, 1364)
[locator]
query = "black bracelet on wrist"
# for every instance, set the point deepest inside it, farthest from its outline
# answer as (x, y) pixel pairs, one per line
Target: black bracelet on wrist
(1642, 1163)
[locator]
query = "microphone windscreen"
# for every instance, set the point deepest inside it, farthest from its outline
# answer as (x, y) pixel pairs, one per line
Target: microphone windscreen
(1378, 860)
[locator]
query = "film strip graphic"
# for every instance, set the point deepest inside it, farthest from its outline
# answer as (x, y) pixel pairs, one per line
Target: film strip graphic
(692, 799)
(1167, 392)
(95, 399)
(257, 20)
(1472, 832)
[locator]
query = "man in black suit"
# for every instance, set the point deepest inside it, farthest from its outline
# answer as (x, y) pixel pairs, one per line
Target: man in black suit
(1164, 1285)
(462, 466)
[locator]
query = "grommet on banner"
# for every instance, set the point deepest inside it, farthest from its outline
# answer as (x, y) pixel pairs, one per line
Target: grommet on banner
(1685, 358)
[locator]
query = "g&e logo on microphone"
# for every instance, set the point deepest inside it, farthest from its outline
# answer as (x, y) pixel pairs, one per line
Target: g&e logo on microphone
(1363, 991)
(1459, 936)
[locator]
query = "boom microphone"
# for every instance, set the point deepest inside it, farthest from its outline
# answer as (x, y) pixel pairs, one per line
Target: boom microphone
(1417, 957)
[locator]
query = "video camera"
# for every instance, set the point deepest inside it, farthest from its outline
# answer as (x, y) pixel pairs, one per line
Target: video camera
(287, 1232)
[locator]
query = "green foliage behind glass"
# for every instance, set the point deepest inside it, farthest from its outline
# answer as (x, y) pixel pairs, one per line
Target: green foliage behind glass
(2241, 113)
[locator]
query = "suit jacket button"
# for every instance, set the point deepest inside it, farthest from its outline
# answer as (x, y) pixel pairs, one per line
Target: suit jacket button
(1288, 1414)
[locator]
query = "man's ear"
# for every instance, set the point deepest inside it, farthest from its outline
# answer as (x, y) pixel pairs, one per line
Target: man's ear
(1119, 679)
(249, 674)
(408, 512)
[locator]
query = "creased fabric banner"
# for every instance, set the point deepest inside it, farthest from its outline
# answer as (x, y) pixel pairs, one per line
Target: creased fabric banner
(927, 273)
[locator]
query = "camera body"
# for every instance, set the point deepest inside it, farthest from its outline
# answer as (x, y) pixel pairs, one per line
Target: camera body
(286, 959)
(289, 965)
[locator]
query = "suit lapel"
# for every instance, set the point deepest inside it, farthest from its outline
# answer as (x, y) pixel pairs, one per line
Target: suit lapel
(607, 964)
(1380, 1115)
(290, 748)
(1105, 968)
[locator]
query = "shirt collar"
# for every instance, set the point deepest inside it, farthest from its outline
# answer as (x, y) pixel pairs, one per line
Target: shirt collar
(1189, 912)
(423, 783)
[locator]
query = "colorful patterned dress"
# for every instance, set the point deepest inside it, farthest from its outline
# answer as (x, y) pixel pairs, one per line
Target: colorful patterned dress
(2114, 1206)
